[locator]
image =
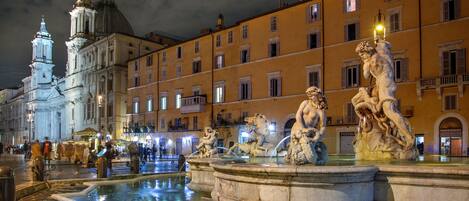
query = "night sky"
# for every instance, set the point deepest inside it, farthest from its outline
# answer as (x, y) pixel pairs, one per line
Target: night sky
(20, 19)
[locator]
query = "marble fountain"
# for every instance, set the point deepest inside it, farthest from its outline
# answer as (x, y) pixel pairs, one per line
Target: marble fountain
(386, 166)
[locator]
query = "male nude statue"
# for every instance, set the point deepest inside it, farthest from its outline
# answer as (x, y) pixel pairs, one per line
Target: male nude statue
(378, 63)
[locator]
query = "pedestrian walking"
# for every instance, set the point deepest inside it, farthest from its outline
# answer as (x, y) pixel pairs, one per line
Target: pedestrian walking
(47, 150)
(181, 163)
(109, 155)
(153, 150)
(26, 150)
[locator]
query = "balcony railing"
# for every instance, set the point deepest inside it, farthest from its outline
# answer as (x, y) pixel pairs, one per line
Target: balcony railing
(193, 104)
(448, 80)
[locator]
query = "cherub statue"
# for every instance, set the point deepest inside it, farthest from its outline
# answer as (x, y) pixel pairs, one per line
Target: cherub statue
(207, 146)
(306, 144)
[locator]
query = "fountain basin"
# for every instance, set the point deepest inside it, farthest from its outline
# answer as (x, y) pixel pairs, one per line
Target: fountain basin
(235, 182)
(201, 174)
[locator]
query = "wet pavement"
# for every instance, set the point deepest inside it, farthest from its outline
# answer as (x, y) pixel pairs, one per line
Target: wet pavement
(65, 170)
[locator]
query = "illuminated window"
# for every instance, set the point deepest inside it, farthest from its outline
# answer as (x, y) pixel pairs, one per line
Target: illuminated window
(219, 93)
(245, 31)
(163, 102)
(313, 12)
(178, 100)
(351, 5)
(150, 104)
(220, 61)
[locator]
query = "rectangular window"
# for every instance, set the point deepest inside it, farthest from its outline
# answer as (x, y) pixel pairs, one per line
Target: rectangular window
(150, 77)
(196, 47)
(163, 102)
(274, 49)
(351, 32)
(351, 116)
(275, 87)
(454, 62)
(178, 70)
(220, 61)
(109, 110)
(219, 94)
(163, 73)
(245, 56)
(351, 76)
(230, 36)
(150, 60)
(394, 22)
(163, 56)
(195, 123)
(136, 106)
(451, 9)
(245, 32)
(245, 90)
(136, 66)
(196, 66)
(313, 12)
(400, 70)
(150, 104)
(136, 81)
(111, 56)
(350, 5)
(178, 100)
(450, 102)
(313, 40)
(313, 78)
(218, 40)
(273, 23)
(179, 52)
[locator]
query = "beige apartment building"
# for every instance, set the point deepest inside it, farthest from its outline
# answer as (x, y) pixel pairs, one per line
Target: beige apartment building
(264, 64)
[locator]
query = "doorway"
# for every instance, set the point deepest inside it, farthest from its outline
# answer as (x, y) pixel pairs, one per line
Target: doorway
(451, 137)
(346, 142)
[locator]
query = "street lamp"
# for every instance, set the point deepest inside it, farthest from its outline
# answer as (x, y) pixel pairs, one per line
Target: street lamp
(379, 31)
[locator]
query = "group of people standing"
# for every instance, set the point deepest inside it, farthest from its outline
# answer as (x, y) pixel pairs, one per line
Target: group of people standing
(148, 153)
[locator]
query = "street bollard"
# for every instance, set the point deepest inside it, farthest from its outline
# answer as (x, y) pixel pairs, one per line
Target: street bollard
(7, 184)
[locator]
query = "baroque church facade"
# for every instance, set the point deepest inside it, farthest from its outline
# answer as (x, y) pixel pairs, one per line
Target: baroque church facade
(92, 94)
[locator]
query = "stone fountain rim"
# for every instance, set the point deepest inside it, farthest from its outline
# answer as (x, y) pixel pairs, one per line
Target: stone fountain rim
(225, 166)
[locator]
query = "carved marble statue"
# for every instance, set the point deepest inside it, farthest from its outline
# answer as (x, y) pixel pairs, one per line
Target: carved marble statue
(134, 158)
(257, 145)
(306, 146)
(383, 132)
(207, 147)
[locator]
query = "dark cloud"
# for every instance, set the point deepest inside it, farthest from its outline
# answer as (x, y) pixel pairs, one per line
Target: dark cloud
(19, 21)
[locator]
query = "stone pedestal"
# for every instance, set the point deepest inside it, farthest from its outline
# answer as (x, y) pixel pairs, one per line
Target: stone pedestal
(201, 174)
(236, 182)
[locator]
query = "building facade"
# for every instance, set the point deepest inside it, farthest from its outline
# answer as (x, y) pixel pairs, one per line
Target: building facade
(101, 42)
(264, 64)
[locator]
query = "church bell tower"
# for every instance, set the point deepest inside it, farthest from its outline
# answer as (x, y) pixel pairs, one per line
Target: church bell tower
(41, 66)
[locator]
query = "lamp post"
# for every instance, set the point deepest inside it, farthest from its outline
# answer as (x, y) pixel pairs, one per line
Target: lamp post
(30, 121)
(379, 31)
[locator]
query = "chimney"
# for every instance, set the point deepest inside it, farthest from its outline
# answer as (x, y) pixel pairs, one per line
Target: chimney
(220, 22)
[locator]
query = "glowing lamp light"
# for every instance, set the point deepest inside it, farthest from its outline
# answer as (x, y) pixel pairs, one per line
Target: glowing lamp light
(379, 31)
(244, 134)
(379, 28)
(271, 127)
(170, 142)
(98, 135)
(134, 138)
(108, 136)
(148, 137)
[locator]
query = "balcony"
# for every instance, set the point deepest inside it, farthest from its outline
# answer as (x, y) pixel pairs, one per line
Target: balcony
(193, 104)
(437, 83)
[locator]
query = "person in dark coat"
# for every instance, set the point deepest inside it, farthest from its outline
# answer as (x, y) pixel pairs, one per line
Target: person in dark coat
(182, 163)
(153, 152)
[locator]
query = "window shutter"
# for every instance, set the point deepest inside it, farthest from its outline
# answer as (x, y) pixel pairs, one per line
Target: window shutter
(445, 10)
(308, 14)
(248, 55)
(404, 69)
(357, 31)
(318, 39)
(344, 77)
(308, 39)
(241, 56)
(249, 90)
(279, 86)
(223, 60)
(240, 90)
(461, 61)
(445, 63)
(358, 74)
(278, 48)
(346, 32)
(457, 8)
(358, 4)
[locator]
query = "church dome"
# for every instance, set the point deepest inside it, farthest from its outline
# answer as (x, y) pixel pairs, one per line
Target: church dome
(109, 19)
